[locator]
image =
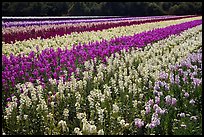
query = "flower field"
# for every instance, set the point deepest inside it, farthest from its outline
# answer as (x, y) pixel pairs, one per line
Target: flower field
(109, 76)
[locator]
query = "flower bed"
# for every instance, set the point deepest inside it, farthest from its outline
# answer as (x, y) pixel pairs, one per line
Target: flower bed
(114, 97)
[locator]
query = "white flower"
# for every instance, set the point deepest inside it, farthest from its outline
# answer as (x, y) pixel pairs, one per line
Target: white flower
(183, 125)
(81, 115)
(92, 129)
(52, 104)
(25, 117)
(115, 108)
(101, 132)
(77, 131)
(122, 122)
(192, 101)
(63, 125)
(66, 112)
(182, 114)
(193, 118)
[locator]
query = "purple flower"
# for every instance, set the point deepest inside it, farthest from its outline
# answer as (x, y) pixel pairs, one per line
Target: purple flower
(147, 109)
(173, 101)
(196, 81)
(156, 87)
(155, 120)
(162, 111)
(139, 123)
(157, 100)
(177, 79)
(158, 110)
(180, 72)
(184, 79)
(150, 102)
(155, 107)
(48, 61)
(168, 99)
(155, 92)
(166, 87)
(163, 75)
(152, 125)
(8, 99)
(186, 94)
(172, 78)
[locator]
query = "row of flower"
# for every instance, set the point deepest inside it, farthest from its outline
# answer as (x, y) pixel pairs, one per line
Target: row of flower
(122, 95)
(52, 64)
(12, 34)
(68, 21)
(86, 37)
(41, 18)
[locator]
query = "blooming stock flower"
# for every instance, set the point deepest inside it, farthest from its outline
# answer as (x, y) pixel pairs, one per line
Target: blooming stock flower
(139, 123)
(115, 79)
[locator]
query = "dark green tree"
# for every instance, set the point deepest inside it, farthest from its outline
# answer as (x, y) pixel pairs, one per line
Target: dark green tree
(100, 8)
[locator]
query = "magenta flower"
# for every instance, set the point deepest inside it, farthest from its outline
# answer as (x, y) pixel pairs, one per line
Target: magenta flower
(8, 99)
(49, 63)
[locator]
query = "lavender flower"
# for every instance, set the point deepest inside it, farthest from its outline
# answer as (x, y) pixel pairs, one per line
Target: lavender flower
(177, 79)
(173, 101)
(172, 78)
(186, 95)
(150, 102)
(156, 87)
(168, 99)
(163, 75)
(152, 125)
(147, 109)
(139, 123)
(196, 81)
(155, 120)
(155, 92)
(157, 100)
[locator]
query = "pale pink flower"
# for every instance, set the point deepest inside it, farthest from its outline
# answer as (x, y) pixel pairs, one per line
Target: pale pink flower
(174, 101)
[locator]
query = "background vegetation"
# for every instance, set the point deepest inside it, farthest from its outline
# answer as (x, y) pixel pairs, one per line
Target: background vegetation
(100, 8)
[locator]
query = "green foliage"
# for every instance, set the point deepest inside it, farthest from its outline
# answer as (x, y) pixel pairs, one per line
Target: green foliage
(100, 8)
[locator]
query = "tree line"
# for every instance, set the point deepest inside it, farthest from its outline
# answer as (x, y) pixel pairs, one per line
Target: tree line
(100, 8)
